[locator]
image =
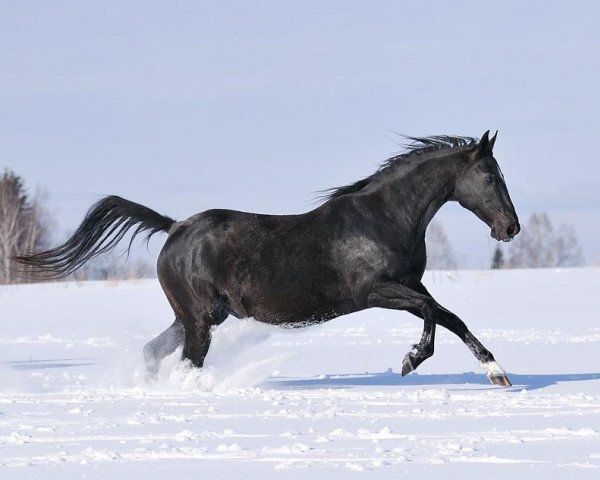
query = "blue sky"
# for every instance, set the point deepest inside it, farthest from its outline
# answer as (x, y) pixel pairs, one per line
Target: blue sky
(185, 106)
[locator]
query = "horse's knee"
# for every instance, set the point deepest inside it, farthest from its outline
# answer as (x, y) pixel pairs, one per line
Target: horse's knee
(428, 307)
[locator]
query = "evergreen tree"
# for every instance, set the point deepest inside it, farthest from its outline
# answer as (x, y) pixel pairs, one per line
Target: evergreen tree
(498, 258)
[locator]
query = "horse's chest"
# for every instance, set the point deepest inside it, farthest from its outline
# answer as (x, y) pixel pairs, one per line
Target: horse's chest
(405, 265)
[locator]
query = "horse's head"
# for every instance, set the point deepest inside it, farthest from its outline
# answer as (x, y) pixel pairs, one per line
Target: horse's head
(480, 188)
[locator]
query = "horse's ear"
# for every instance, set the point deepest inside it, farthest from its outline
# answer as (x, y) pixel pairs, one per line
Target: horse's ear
(484, 144)
(493, 141)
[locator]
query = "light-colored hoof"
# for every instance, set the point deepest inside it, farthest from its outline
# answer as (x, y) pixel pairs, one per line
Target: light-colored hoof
(496, 374)
(500, 380)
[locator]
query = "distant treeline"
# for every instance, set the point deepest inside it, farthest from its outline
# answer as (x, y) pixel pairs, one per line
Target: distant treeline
(26, 226)
(538, 245)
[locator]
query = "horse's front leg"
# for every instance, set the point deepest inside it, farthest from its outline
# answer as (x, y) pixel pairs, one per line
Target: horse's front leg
(399, 297)
(495, 373)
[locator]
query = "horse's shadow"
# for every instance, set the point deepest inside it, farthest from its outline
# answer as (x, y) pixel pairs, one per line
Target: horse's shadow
(390, 378)
(49, 363)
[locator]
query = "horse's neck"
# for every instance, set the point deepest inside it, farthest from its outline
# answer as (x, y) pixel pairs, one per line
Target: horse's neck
(415, 196)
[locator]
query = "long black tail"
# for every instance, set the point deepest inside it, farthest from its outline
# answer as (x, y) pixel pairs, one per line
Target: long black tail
(104, 225)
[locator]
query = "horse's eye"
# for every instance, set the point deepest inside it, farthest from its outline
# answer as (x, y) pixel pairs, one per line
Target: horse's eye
(489, 179)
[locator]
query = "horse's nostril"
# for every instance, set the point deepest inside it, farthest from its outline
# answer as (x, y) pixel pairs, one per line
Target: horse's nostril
(511, 229)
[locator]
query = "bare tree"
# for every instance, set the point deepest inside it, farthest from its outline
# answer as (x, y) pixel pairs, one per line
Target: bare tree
(540, 245)
(440, 255)
(566, 246)
(23, 224)
(11, 206)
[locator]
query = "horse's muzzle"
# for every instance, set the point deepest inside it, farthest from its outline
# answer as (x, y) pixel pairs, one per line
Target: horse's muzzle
(505, 233)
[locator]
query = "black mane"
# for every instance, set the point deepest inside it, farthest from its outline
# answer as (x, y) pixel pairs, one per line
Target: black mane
(417, 146)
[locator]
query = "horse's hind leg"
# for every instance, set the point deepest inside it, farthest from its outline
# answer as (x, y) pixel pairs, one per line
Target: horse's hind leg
(163, 345)
(193, 297)
(198, 335)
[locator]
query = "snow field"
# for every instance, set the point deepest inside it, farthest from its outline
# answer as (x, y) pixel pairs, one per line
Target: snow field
(324, 400)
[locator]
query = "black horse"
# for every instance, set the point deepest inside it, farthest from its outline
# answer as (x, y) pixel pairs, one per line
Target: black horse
(363, 247)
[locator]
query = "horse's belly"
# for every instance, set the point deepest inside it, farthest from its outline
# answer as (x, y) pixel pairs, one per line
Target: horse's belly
(296, 318)
(294, 304)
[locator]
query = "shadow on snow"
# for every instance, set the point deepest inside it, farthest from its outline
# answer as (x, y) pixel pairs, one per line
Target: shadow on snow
(390, 378)
(49, 363)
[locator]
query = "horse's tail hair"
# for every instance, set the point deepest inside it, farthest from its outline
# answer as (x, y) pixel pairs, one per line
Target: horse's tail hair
(104, 225)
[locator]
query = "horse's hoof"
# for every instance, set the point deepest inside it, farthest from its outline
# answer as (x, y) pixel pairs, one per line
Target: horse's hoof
(407, 365)
(499, 379)
(496, 374)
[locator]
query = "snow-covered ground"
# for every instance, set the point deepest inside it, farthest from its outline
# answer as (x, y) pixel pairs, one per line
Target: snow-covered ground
(319, 402)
